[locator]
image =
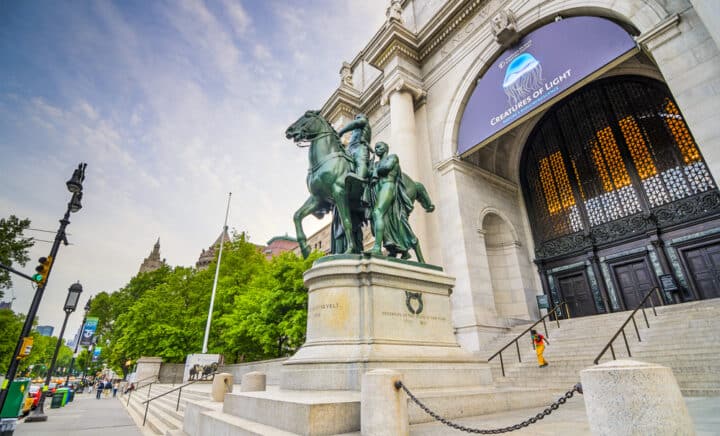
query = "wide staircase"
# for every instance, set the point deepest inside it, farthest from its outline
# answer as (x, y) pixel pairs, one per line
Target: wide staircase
(684, 337)
(165, 414)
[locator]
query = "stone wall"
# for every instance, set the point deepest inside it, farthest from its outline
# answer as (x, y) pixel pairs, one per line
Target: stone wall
(270, 367)
(171, 373)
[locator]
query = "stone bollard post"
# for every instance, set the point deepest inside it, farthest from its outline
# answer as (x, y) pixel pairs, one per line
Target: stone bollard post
(222, 384)
(627, 397)
(253, 381)
(383, 408)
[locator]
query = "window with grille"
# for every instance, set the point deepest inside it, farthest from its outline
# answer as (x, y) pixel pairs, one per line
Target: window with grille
(616, 148)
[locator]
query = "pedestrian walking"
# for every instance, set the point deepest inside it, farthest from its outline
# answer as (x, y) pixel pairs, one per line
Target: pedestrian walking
(539, 342)
(108, 388)
(99, 389)
(115, 388)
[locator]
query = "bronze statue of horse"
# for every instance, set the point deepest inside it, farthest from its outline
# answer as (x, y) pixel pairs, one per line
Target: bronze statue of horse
(326, 181)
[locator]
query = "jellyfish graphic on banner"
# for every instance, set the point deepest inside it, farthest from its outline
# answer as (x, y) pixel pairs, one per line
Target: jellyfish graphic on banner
(523, 76)
(88, 331)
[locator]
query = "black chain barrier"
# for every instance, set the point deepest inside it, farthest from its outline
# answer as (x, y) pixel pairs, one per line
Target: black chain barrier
(554, 406)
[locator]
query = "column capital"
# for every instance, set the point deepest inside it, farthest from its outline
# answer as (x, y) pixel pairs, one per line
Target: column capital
(403, 83)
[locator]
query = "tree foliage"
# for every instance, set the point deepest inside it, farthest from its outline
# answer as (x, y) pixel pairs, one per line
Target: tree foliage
(260, 309)
(13, 247)
(10, 326)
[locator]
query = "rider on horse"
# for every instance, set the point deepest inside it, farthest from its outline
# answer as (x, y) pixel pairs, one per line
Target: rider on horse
(359, 144)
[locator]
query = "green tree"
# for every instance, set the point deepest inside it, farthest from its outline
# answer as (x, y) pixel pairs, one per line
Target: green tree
(10, 326)
(269, 319)
(13, 247)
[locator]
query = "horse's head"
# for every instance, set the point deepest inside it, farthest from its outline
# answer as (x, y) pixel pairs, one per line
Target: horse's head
(307, 127)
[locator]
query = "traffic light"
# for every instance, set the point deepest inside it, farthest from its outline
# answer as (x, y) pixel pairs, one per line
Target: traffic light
(42, 270)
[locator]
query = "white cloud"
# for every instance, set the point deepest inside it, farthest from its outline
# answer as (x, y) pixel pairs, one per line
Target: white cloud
(177, 121)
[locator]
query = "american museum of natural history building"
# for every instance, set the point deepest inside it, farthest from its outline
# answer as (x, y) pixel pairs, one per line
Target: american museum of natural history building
(572, 148)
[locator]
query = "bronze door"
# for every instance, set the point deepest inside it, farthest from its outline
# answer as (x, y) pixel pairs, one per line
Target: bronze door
(635, 280)
(704, 266)
(576, 293)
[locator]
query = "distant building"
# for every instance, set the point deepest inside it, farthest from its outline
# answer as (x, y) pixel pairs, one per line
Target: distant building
(45, 330)
(6, 305)
(152, 262)
(208, 256)
(279, 244)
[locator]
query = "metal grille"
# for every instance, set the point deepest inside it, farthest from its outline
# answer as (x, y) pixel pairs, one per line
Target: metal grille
(614, 149)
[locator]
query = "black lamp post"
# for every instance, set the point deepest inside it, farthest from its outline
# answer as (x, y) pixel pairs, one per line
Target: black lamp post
(77, 342)
(74, 185)
(70, 306)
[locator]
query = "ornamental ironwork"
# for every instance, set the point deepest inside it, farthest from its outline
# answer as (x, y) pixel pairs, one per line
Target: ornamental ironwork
(610, 162)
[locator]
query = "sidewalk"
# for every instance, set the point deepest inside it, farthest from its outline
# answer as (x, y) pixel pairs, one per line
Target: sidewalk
(85, 416)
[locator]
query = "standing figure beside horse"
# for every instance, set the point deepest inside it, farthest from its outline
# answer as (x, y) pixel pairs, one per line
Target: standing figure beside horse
(335, 185)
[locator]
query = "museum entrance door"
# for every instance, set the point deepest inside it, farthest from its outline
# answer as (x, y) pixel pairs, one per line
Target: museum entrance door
(635, 280)
(704, 265)
(576, 293)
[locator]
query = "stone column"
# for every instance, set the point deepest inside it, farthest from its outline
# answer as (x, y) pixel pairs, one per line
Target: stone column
(627, 397)
(404, 142)
(383, 407)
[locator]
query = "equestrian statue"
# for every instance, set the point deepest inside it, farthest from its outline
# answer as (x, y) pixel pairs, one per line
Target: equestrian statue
(357, 189)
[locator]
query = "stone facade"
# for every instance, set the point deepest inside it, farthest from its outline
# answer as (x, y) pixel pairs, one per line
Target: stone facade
(153, 261)
(414, 79)
(208, 256)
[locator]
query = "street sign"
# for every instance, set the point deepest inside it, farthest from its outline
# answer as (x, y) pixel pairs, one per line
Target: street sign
(543, 301)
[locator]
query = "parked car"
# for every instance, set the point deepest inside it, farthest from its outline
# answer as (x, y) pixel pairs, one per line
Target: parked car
(34, 393)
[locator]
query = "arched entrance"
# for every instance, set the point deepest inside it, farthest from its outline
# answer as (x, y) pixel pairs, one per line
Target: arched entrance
(506, 266)
(606, 174)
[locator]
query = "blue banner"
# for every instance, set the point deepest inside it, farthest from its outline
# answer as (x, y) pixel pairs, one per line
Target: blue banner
(96, 354)
(536, 71)
(88, 331)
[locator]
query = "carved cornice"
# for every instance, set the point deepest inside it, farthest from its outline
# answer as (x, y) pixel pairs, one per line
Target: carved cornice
(394, 40)
(344, 101)
(660, 34)
(448, 20)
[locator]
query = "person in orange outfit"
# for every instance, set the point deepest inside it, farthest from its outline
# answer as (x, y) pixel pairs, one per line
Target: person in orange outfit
(539, 342)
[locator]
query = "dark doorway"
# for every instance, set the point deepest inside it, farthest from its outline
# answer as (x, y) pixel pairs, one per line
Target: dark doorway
(704, 266)
(576, 293)
(635, 280)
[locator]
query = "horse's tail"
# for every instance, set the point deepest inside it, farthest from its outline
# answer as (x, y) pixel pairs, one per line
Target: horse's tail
(423, 197)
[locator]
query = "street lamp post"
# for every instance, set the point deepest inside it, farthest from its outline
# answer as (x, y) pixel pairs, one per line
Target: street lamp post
(74, 185)
(70, 306)
(77, 342)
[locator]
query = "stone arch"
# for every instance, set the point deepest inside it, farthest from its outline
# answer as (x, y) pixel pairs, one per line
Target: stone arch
(640, 14)
(508, 266)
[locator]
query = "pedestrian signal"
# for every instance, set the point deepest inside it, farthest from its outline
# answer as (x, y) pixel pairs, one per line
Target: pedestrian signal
(43, 269)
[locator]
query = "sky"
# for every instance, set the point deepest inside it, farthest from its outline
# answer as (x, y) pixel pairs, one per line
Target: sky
(172, 104)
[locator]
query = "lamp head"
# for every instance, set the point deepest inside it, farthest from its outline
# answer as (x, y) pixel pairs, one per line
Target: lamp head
(73, 297)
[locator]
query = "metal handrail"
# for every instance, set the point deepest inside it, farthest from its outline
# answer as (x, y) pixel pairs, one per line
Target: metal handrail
(621, 330)
(179, 389)
(541, 320)
(140, 387)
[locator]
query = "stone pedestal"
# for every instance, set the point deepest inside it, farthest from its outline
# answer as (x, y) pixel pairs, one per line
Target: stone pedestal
(367, 313)
(627, 397)
(383, 406)
(148, 368)
(364, 314)
(253, 381)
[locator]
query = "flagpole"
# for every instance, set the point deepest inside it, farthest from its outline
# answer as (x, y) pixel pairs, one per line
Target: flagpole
(217, 272)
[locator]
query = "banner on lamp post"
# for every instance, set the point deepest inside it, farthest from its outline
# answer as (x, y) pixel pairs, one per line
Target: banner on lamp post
(88, 331)
(96, 354)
